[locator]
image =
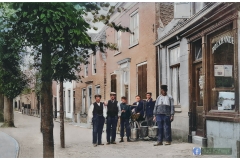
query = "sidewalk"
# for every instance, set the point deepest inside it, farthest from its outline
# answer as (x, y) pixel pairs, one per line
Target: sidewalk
(9, 147)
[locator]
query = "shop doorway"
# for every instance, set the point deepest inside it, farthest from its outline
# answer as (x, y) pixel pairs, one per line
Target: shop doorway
(198, 99)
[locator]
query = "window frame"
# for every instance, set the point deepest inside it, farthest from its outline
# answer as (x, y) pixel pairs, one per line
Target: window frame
(94, 64)
(132, 43)
(96, 87)
(170, 73)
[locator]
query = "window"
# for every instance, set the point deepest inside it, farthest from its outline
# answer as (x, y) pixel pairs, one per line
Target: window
(97, 91)
(222, 58)
(197, 6)
(134, 27)
(198, 49)
(84, 100)
(89, 96)
(94, 64)
(118, 40)
(174, 72)
(69, 101)
(86, 70)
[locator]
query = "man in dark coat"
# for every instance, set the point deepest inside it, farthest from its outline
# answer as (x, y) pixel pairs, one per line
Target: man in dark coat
(148, 108)
(137, 108)
(113, 111)
(125, 116)
(97, 120)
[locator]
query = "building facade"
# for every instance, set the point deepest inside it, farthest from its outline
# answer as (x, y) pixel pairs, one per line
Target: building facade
(199, 62)
(131, 70)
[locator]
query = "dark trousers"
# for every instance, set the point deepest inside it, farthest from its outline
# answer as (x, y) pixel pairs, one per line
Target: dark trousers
(164, 124)
(149, 120)
(98, 122)
(125, 124)
(111, 128)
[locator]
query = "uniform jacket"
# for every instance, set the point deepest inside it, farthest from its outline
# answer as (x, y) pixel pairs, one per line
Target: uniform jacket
(149, 106)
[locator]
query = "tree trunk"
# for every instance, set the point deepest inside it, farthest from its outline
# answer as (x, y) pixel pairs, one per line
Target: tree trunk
(8, 112)
(46, 101)
(62, 135)
(1, 107)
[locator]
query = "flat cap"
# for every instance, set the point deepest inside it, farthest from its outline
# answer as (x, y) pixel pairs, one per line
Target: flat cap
(112, 93)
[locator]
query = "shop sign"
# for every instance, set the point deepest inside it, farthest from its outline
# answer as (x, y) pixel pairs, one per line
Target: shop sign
(226, 39)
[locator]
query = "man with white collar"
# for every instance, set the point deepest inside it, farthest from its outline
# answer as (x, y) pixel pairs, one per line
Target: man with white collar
(98, 120)
(113, 111)
(163, 113)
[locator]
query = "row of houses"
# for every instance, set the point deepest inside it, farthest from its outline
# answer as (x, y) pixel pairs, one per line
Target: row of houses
(190, 46)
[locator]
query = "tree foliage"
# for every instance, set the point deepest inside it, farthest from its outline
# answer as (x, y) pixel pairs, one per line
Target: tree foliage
(12, 80)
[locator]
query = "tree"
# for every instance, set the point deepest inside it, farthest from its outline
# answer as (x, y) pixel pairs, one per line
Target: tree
(1, 108)
(55, 31)
(12, 80)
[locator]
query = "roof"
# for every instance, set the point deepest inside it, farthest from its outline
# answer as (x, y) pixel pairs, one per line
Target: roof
(184, 23)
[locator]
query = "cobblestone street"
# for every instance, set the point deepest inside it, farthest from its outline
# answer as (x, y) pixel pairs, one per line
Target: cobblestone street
(78, 143)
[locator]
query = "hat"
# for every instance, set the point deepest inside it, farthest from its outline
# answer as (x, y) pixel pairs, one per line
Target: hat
(112, 93)
(164, 87)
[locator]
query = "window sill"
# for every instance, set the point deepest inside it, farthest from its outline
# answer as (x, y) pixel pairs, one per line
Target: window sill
(178, 108)
(133, 45)
(225, 116)
(117, 53)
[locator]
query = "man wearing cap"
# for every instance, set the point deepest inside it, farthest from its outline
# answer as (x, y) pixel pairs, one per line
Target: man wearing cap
(98, 119)
(113, 113)
(148, 108)
(163, 113)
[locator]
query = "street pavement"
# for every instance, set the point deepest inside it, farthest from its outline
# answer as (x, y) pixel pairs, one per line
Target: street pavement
(78, 140)
(8, 146)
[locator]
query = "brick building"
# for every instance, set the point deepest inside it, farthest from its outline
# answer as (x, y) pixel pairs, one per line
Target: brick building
(93, 82)
(132, 69)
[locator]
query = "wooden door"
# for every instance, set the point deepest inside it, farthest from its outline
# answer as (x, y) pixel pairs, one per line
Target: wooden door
(198, 99)
(114, 83)
(142, 80)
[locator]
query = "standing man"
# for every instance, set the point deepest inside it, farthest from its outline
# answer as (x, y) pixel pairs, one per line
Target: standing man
(125, 116)
(97, 120)
(149, 106)
(163, 114)
(139, 108)
(113, 113)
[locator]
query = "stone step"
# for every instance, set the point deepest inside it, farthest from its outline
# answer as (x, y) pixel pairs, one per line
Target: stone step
(197, 140)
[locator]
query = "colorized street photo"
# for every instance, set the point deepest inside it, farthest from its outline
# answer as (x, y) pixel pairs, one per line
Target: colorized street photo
(119, 79)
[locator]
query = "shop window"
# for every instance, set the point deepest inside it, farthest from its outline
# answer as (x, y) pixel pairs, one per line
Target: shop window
(223, 89)
(174, 71)
(198, 50)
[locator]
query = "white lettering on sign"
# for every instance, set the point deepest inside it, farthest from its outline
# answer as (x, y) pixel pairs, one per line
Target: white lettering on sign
(226, 39)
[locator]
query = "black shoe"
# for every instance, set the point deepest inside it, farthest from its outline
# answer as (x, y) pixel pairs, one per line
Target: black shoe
(113, 142)
(107, 143)
(129, 140)
(121, 140)
(100, 144)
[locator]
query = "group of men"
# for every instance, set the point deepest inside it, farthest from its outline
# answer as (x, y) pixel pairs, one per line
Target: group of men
(161, 111)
